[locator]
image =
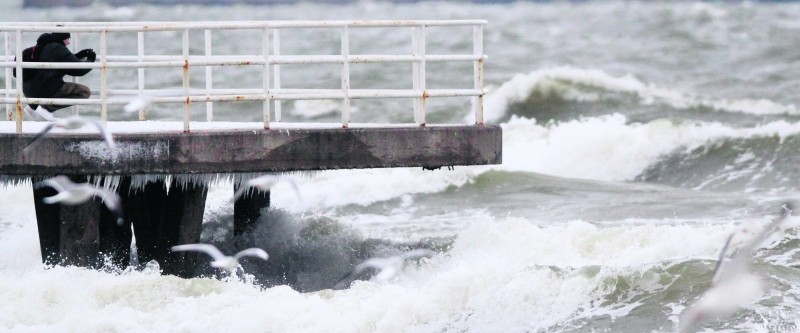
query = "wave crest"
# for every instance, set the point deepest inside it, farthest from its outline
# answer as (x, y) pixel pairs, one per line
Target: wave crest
(592, 85)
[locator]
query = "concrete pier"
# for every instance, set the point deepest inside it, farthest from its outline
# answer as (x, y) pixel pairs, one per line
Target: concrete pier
(163, 215)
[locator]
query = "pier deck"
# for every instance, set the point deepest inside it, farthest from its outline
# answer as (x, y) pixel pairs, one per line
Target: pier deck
(245, 148)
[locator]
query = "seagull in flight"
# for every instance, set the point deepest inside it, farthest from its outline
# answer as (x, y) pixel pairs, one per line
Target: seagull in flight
(387, 267)
(222, 261)
(144, 99)
(70, 193)
(732, 285)
(265, 183)
(71, 123)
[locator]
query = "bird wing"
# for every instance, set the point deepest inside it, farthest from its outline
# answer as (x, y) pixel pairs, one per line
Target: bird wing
(347, 279)
(240, 192)
(207, 248)
(61, 196)
(377, 263)
(112, 202)
(38, 136)
(264, 183)
(295, 188)
(104, 132)
(59, 183)
(252, 252)
(745, 253)
(715, 277)
(142, 100)
(137, 103)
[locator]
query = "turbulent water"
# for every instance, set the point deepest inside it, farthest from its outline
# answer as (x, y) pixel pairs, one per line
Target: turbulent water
(637, 137)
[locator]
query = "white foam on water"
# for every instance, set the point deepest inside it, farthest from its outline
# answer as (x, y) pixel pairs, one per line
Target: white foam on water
(609, 148)
(570, 83)
(500, 275)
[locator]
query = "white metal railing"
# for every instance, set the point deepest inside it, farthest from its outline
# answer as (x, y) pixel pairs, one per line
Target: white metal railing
(270, 61)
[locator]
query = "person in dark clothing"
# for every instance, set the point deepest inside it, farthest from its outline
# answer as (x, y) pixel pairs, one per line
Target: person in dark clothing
(49, 82)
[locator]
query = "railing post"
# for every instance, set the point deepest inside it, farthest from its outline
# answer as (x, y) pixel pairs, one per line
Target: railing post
(140, 53)
(104, 75)
(74, 42)
(187, 102)
(7, 48)
(265, 75)
(20, 77)
(418, 41)
(345, 77)
(477, 45)
(276, 50)
(209, 78)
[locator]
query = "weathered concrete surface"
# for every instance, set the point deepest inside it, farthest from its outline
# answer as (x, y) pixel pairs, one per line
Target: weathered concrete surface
(252, 151)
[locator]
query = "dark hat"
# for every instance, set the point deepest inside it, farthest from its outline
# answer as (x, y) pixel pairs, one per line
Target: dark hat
(47, 38)
(62, 35)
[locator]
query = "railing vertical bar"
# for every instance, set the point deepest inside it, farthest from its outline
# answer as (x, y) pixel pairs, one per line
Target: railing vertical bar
(422, 76)
(477, 101)
(104, 75)
(345, 77)
(20, 77)
(415, 71)
(209, 78)
(7, 48)
(276, 49)
(140, 52)
(74, 42)
(265, 75)
(187, 102)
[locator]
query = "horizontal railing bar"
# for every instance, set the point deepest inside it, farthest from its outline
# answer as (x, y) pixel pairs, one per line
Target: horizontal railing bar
(132, 93)
(284, 94)
(177, 61)
(166, 26)
(275, 23)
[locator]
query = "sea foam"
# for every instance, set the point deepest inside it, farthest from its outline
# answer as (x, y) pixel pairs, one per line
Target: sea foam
(583, 84)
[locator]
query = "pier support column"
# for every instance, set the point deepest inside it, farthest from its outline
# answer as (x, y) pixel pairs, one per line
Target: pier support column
(48, 221)
(68, 235)
(162, 219)
(115, 240)
(247, 209)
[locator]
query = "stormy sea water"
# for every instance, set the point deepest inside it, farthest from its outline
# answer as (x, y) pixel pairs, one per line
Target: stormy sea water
(637, 137)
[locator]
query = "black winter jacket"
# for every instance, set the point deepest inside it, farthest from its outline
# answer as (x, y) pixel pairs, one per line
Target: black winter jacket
(45, 82)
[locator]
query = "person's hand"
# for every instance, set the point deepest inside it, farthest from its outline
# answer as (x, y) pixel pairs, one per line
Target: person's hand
(91, 56)
(83, 53)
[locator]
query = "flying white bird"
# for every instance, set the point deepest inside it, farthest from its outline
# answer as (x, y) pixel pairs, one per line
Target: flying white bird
(70, 193)
(265, 183)
(221, 260)
(72, 123)
(141, 101)
(387, 267)
(733, 285)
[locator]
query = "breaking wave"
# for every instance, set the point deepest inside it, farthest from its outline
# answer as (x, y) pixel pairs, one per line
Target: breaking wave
(544, 89)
